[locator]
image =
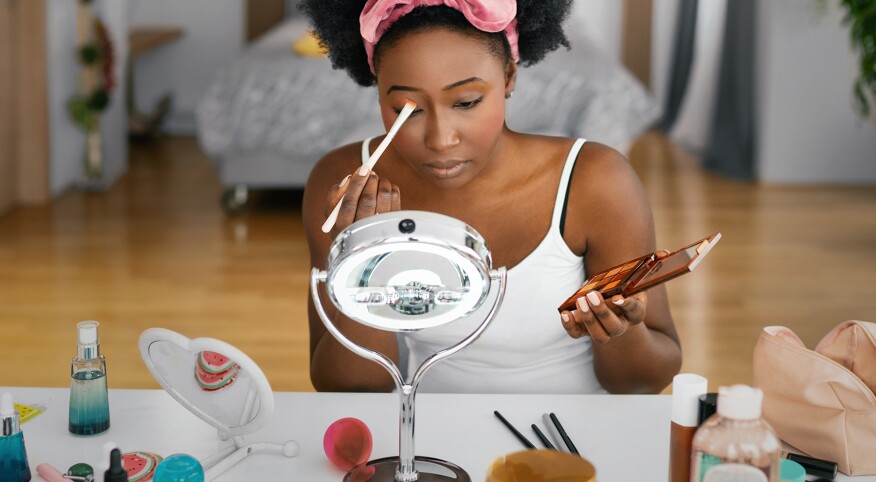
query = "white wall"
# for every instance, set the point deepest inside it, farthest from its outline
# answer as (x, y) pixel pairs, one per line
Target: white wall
(692, 128)
(663, 21)
(602, 22)
(67, 140)
(114, 122)
(807, 130)
(214, 35)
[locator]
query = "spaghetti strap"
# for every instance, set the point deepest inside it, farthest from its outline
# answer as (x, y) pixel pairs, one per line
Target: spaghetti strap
(365, 153)
(562, 190)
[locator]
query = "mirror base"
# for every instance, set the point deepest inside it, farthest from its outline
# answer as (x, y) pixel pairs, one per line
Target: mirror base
(428, 468)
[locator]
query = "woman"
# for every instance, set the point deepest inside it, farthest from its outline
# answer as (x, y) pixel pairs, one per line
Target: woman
(551, 209)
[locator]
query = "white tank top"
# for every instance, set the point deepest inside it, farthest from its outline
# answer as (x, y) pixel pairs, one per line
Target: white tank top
(525, 349)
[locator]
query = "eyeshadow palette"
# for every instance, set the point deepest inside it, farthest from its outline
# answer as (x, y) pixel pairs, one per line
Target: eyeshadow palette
(644, 272)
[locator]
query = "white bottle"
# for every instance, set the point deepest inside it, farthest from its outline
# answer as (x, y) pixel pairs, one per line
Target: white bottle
(736, 444)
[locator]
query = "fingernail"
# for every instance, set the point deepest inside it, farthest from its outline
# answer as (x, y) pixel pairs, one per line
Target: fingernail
(565, 317)
(344, 182)
(582, 305)
(618, 301)
(594, 300)
(363, 171)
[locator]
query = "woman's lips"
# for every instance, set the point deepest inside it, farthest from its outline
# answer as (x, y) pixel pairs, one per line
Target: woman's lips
(448, 169)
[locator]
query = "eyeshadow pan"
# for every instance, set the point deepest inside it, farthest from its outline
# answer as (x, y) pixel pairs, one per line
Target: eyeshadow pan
(631, 265)
(597, 277)
(618, 276)
(614, 271)
(587, 287)
(612, 285)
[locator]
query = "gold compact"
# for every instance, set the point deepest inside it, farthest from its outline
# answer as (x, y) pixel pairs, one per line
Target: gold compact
(541, 466)
(639, 274)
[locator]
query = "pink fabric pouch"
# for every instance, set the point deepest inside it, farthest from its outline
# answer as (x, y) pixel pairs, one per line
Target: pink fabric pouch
(822, 401)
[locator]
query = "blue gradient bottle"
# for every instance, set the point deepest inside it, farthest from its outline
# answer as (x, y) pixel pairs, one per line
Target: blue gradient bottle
(89, 402)
(13, 457)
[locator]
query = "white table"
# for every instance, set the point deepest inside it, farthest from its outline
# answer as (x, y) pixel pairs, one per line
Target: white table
(625, 437)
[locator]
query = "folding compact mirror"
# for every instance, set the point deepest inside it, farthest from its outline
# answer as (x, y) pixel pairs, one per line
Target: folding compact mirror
(220, 385)
(408, 271)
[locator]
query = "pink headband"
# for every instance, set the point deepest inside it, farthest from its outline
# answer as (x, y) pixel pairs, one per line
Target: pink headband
(485, 15)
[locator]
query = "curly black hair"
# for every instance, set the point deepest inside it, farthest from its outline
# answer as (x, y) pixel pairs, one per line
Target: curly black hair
(336, 23)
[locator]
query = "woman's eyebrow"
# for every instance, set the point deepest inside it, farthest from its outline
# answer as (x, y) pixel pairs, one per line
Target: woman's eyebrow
(451, 86)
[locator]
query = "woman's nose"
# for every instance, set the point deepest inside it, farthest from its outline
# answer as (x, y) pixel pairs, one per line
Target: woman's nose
(440, 134)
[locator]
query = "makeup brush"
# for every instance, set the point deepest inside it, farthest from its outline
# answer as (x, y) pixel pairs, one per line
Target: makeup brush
(368, 166)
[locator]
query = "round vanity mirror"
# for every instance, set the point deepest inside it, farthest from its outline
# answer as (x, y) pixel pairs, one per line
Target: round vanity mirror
(408, 270)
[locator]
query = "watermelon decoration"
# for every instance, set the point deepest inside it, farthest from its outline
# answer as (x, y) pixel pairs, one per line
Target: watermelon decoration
(212, 362)
(140, 465)
(211, 382)
(26, 412)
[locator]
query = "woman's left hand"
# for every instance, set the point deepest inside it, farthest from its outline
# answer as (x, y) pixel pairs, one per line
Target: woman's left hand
(604, 319)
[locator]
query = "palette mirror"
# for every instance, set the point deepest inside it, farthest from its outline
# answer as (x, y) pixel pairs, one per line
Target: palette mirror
(645, 272)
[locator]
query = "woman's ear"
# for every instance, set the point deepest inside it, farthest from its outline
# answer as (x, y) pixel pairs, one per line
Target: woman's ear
(510, 79)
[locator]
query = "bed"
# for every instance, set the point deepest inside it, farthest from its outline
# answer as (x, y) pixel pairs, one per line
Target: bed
(269, 116)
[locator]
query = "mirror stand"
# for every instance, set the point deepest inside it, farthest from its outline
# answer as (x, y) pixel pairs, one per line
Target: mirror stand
(218, 463)
(406, 467)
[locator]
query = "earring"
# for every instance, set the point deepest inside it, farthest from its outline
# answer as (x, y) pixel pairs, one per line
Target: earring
(509, 95)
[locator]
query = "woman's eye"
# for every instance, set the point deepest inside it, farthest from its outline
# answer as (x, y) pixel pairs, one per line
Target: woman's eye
(469, 104)
(415, 112)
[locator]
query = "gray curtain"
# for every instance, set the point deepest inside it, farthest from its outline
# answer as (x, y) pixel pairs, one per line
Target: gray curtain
(731, 148)
(682, 58)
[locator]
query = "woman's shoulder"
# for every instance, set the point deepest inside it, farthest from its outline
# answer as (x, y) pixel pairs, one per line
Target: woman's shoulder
(601, 163)
(603, 191)
(337, 162)
(552, 145)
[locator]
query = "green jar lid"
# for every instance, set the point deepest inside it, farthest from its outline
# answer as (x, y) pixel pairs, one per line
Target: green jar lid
(790, 471)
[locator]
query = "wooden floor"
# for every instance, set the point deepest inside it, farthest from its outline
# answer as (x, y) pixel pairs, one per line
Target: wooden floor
(157, 251)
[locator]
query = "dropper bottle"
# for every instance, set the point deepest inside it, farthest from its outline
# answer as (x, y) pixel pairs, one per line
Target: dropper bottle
(89, 401)
(13, 457)
(116, 472)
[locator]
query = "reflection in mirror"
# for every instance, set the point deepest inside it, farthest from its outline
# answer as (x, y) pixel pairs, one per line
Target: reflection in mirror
(211, 383)
(391, 289)
(400, 286)
(215, 371)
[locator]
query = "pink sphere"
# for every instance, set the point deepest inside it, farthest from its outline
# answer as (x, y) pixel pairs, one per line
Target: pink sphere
(347, 443)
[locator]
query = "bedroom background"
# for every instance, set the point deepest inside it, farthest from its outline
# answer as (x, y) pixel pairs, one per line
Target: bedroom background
(153, 247)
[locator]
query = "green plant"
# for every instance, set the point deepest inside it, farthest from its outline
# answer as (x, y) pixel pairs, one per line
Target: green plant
(85, 108)
(861, 19)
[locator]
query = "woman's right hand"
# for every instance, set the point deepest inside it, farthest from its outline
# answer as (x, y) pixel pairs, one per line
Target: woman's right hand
(363, 196)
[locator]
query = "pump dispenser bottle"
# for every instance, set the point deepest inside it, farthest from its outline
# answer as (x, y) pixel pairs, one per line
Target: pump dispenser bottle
(89, 403)
(13, 457)
(736, 444)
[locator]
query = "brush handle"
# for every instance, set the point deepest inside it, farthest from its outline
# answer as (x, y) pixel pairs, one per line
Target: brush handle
(50, 474)
(372, 161)
(330, 221)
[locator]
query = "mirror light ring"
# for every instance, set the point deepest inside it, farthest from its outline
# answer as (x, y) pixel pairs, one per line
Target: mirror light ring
(472, 266)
